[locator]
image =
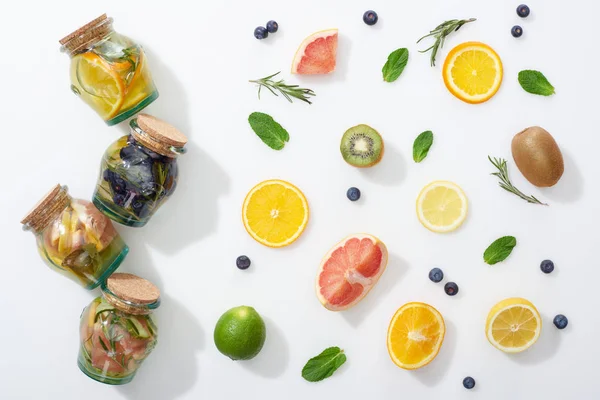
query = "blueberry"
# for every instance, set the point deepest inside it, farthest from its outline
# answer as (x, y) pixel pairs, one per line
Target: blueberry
(451, 288)
(261, 33)
(560, 321)
(117, 184)
(140, 206)
(516, 31)
(469, 383)
(523, 11)
(272, 26)
(120, 199)
(547, 266)
(243, 262)
(370, 17)
(436, 275)
(353, 194)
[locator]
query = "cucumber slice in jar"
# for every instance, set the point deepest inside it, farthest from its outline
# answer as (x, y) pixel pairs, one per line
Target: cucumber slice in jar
(136, 328)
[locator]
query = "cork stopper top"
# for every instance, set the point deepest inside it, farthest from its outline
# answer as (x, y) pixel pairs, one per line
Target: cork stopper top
(132, 288)
(87, 34)
(47, 209)
(158, 135)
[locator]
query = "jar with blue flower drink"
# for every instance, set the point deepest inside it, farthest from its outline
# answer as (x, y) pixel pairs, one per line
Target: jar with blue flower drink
(74, 238)
(109, 71)
(139, 172)
(117, 330)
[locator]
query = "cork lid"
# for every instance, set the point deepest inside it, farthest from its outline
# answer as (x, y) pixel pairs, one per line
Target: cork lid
(48, 208)
(87, 34)
(132, 288)
(158, 135)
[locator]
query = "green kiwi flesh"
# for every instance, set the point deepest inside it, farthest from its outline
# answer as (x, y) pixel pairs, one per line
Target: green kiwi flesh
(362, 146)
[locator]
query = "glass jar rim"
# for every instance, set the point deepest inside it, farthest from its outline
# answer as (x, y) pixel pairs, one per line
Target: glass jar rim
(153, 143)
(128, 305)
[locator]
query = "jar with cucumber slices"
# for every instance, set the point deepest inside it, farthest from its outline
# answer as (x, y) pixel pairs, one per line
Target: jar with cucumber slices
(117, 330)
(109, 71)
(139, 172)
(74, 238)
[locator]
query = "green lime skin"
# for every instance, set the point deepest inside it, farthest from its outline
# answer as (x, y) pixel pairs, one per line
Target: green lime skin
(240, 333)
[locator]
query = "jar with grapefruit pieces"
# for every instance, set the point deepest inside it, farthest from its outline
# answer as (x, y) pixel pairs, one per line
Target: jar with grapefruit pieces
(109, 71)
(139, 172)
(117, 330)
(74, 238)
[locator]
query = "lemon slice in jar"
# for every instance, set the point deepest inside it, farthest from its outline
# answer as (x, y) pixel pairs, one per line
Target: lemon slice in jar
(102, 87)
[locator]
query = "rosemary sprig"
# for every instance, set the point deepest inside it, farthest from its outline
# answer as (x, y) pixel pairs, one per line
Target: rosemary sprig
(288, 91)
(505, 183)
(440, 33)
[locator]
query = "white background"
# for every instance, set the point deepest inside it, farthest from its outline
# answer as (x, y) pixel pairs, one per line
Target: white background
(202, 57)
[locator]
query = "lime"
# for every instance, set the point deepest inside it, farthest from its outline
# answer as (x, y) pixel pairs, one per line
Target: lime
(240, 333)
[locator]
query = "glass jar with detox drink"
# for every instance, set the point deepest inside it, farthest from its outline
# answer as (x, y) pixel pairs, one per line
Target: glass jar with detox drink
(117, 331)
(139, 172)
(109, 71)
(74, 238)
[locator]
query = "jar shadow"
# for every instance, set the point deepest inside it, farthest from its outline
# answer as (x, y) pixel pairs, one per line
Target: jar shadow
(192, 212)
(172, 369)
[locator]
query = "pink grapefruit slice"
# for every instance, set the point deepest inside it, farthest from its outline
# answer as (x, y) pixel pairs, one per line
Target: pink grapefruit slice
(350, 269)
(316, 54)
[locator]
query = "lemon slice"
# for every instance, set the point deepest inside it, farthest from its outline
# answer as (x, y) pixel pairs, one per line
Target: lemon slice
(513, 325)
(275, 213)
(442, 206)
(473, 72)
(415, 335)
(101, 87)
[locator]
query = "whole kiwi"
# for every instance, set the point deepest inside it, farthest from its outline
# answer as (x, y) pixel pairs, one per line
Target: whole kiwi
(537, 156)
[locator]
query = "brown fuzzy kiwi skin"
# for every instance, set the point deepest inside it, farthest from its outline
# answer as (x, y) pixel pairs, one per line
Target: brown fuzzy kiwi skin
(375, 162)
(537, 156)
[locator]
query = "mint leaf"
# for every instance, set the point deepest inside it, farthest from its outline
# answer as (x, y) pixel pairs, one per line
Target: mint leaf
(422, 145)
(395, 64)
(323, 365)
(535, 82)
(268, 130)
(499, 250)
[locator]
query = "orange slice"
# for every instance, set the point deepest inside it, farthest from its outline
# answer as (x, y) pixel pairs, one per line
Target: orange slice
(99, 85)
(415, 335)
(316, 54)
(473, 72)
(275, 213)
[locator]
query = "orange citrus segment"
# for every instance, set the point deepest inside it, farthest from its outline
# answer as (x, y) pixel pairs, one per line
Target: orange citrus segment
(317, 54)
(99, 85)
(275, 213)
(513, 325)
(415, 335)
(473, 72)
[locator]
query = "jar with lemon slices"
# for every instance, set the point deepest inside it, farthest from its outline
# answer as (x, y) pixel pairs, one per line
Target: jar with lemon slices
(109, 71)
(74, 238)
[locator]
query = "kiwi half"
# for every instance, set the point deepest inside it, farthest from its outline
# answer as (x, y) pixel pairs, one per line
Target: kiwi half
(362, 146)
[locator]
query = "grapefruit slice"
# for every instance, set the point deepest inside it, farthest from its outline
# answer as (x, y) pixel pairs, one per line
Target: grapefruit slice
(316, 54)
(350, 269)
